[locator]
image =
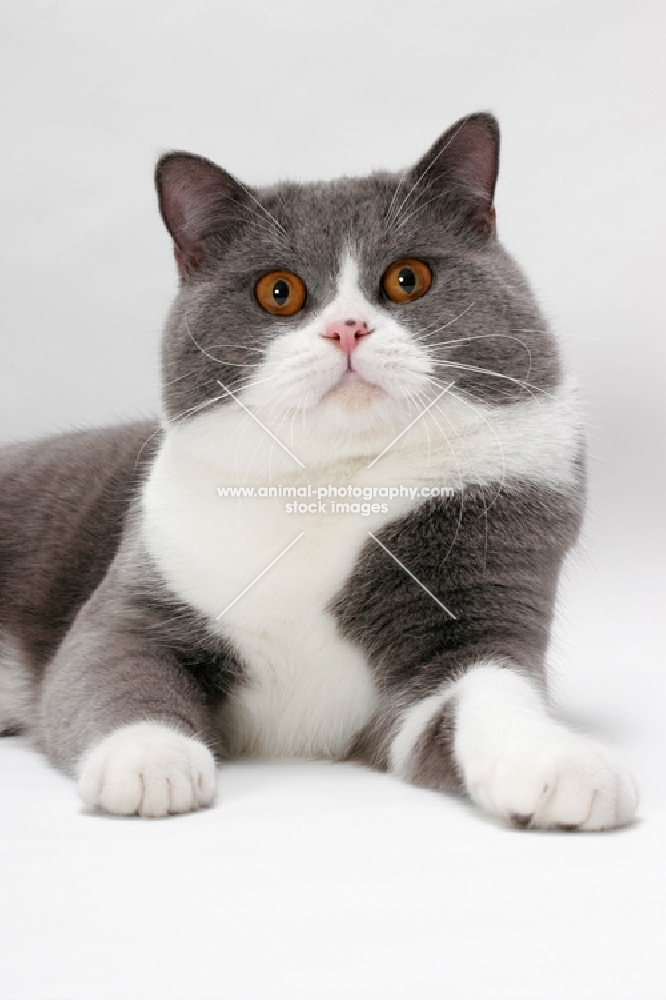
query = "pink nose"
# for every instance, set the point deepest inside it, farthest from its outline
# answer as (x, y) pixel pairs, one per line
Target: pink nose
(346, 333)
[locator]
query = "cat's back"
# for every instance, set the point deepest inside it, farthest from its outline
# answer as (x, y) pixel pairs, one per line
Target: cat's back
(63, 501)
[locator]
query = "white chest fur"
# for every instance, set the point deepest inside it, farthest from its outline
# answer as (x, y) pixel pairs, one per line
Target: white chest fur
(308, 689)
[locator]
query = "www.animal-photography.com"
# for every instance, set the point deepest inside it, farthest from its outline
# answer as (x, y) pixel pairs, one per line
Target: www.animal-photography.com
(331, 492)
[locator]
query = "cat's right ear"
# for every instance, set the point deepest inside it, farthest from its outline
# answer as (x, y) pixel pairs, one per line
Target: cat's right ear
(462, 165)
(197, 200)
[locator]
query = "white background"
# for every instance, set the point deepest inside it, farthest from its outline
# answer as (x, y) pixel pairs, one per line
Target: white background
(313, 880)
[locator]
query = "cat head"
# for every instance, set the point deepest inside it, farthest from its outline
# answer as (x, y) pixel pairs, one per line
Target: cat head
(342, 308)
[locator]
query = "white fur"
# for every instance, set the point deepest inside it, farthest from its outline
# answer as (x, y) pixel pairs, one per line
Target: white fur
(16, 689)
(150, 769)
(456, 443)
(518, 762)
(413, 723)
(299, 392)
(308, 689)
(302, 370)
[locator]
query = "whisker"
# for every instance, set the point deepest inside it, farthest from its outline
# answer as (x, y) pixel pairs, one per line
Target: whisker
(424, 190)
(481, 336)
(461, 398)
(157, 430)
(238, 347)
(432, 348)
(163, 385)
(388, 220)
(460, 479)
(262, 207)
(194, 409)
(257, 220)
(419, 207)
(532, 389)
(423, 402)
(220, 361)
(445, 326)
(187, 327)
(174, 420)
(270, 452)
(428, 168)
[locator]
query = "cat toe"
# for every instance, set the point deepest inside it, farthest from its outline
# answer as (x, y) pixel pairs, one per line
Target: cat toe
(593, 790)
(556, 780)
(148, 769)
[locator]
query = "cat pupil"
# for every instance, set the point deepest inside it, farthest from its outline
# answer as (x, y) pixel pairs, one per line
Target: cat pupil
(407, 279)
(280, 292)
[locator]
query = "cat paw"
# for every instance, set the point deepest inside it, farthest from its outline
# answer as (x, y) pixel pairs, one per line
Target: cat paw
(149, 769)
(553, 778)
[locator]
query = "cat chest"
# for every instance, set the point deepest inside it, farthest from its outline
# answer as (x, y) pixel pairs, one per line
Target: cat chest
(265, 577)
(265, 573)
(306, 689)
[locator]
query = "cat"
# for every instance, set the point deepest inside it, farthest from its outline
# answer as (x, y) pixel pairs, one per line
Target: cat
(173, 595)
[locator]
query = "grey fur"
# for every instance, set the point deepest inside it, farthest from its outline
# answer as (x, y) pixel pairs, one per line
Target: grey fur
(217, 313)
(105, 640)
(496, 568)
(63, 502)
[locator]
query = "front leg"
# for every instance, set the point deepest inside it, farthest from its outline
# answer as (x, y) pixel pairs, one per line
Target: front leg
(128, 723)
(489, 733)
(464, 688)
(122, 711)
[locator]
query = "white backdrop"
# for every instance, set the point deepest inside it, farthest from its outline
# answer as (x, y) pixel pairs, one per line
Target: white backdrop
(310, 880)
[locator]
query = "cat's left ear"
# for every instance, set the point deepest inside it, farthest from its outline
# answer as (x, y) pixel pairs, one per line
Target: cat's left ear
(464, 162)
(198, 201)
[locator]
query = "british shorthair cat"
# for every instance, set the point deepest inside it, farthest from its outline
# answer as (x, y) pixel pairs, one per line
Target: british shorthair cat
(344, 536)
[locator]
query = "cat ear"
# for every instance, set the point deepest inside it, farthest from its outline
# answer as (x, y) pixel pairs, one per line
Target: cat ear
(465, 161)
(197, 199)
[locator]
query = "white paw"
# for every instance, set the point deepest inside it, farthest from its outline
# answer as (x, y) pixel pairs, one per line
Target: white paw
(149, 769)
(544, 776)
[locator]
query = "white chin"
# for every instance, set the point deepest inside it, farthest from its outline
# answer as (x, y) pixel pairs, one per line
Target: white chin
(354, 391)
(355, 408)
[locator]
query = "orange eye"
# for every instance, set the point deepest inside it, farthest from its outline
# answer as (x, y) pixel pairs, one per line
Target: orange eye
(281, 293)
(406, 280)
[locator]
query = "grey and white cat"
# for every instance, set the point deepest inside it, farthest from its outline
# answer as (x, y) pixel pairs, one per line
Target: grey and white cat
(367, 333)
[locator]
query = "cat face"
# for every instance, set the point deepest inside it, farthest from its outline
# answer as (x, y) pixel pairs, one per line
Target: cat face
(349, 305)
